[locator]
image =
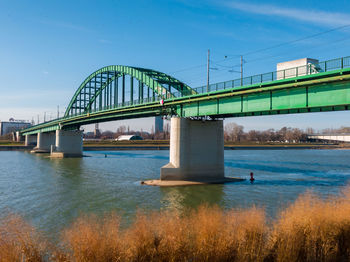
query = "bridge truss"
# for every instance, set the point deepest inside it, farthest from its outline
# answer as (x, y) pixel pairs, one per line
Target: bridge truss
(119, 86)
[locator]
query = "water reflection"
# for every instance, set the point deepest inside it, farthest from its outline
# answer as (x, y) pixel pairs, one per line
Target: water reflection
(68, 167)
(183, 197)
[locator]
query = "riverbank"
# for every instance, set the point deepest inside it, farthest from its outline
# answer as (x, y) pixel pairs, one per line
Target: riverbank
(15, 148)
(164, 145)
(310, 229)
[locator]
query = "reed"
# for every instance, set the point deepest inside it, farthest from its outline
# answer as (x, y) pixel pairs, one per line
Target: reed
(311, 229)
(20, 242)
(91, 238)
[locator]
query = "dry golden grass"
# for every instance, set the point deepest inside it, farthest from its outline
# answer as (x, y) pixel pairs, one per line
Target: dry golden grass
(92, 239)
(311, 229)
(19, 241)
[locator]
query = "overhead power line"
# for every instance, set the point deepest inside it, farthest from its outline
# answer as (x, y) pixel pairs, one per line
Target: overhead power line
(265, 49)
(296, 40)
(312, 48)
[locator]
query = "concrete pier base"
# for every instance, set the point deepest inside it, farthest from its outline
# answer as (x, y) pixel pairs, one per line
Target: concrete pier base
(30, 140)
(196, 154)
(44, 142)
(169, 183)
(69, 143)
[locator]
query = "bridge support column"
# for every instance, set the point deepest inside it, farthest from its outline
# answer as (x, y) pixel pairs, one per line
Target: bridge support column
(44, 142)
(30, 140)
(19, 137)
(69, 143)
(196, 151)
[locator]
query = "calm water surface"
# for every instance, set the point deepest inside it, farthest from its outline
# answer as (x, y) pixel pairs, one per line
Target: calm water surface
(52, 192)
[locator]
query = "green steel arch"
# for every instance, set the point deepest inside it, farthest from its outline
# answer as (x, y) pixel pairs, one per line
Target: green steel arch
(101, 90)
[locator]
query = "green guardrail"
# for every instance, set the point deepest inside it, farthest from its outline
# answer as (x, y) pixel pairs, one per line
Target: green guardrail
(309, 69)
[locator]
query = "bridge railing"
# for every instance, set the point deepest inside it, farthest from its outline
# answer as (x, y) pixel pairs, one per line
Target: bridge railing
(309, 69)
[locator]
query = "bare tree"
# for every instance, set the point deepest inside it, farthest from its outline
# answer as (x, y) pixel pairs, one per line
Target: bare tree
(310, 131)
(107, 135)
(234, 132)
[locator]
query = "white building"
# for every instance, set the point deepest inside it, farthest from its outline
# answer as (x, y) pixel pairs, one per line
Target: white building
(128, 138)
(299, 67)
(337, 137)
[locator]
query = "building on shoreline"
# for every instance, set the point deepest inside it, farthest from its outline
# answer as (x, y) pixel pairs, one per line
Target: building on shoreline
(128, 138)
(7, 127)
(158, 124)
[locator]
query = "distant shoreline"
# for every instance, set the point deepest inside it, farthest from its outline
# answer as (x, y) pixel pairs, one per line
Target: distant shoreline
(164, 145)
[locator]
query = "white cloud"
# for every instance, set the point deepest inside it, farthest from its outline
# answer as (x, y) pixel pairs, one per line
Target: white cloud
(311, 16)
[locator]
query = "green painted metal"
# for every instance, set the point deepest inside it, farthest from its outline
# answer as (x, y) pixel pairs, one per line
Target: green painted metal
(123, 89)
(100, 81)
(316, 92)
(328, 94)
(131, 90)
(287, 74)
(99, 93)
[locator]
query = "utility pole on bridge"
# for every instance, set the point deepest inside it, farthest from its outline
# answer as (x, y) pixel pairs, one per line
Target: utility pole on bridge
(241, 70)
(208, 68)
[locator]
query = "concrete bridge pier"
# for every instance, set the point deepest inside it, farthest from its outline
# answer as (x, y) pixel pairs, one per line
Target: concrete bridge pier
(69, 143)
(17, 137)
(44, 142)
(30, 140)
(196, 151)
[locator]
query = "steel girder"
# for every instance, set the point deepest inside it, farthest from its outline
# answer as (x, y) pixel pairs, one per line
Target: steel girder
(100, 89)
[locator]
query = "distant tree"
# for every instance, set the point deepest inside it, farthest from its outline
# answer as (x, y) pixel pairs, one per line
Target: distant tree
(253, 135)
(89, 135)
(167, 131)
(107, 135)
(343, 130)
(310, 131)
(234, 132)
(152, 133)
(121, 130)
(282, 134)
(328, 131)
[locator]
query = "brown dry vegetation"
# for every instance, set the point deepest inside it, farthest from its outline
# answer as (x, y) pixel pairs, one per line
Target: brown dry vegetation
(311, 229)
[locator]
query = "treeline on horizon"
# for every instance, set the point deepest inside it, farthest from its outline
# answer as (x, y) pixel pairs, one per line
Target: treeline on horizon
(232, 133)
(236, 133)
(311, 229)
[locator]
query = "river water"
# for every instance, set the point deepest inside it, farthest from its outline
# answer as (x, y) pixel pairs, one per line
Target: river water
(51, 193)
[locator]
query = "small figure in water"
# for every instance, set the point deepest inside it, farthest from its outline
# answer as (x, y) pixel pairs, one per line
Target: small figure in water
(105, 155)
(251, 177)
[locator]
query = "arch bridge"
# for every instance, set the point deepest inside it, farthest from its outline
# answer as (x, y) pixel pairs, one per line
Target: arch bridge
(125, 92)
(106, 89)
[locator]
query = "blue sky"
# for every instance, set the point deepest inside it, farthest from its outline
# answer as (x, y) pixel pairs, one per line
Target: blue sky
(47, 48)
